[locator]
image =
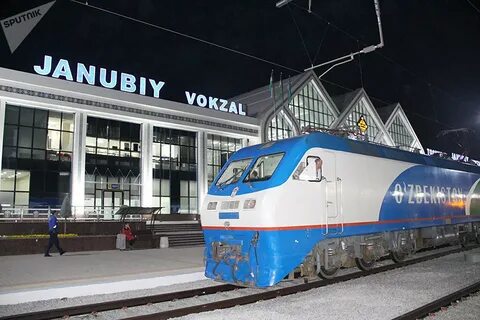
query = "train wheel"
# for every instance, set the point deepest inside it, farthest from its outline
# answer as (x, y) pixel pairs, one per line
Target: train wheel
(397, 257)
(364, 265)
(327, 273)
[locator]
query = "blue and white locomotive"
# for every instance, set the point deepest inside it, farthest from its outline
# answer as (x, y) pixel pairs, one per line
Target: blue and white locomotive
(318, 202)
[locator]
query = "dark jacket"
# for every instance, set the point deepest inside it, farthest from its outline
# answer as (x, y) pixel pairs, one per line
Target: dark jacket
(53, 224)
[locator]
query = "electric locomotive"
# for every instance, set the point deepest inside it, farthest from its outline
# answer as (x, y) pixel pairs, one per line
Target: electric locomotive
(318, 202)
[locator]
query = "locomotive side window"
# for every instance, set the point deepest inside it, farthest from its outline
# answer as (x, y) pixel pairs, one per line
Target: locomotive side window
(264, 167)
(310, 170)
(233, 172)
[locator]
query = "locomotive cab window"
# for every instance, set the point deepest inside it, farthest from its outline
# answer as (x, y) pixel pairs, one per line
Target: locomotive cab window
(233, 172)
(310, 170)
(264, 167)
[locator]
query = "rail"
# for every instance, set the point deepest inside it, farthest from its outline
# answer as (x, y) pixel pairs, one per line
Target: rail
(436, 305)
(223, 304)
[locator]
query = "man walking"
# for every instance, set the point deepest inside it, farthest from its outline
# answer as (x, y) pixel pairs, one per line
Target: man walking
(53, 231)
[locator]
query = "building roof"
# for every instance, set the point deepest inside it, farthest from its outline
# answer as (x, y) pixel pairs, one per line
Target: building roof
(343, 101)
(386, 112)
(260, 100)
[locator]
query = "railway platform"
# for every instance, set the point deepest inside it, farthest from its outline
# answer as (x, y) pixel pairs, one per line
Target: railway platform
(26, 278)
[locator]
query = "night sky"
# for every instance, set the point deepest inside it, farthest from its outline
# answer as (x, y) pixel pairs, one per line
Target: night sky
(430, 62)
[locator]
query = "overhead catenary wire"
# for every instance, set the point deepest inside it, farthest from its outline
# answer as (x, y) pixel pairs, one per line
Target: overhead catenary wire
(240, 52)
(389, 59)
(300, 34)
(473, 6)
(186, 36)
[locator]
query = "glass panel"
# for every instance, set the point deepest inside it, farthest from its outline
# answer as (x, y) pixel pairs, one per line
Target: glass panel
(193, 188)
(39, 138)
(10, 135)
(183, 205)
(41, 117)
(9, 152)
(67, 122)
(12, 114)
(24, 153)
(54, 120)
(193, 205)
(25, 137)
(7, 180)
(38, 154)
(26, 117)
(156, 187)
(67, 141)
(165, 187)
(233, 172)
(6, 199)
(21, 199)
(53, 140)
(183, 188)
(91, 141)
(264, 167)
(107, 199)
(102, 143)
(23, 181)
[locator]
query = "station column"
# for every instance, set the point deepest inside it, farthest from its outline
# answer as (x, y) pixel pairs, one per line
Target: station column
(78, 164)
(202, 182)
(146, 165)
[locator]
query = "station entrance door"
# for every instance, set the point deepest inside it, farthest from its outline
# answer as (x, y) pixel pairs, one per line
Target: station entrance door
(112, 200)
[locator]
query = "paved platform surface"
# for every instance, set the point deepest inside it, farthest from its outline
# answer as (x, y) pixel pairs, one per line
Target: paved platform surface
(35, 277)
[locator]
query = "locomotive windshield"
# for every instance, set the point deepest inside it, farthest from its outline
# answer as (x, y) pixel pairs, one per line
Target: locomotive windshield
(264, 167)
(233, 172)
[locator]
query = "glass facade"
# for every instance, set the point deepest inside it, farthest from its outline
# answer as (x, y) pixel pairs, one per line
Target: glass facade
(36, 160)
(175, 170)
(219, 149)
(400, 135)
(310, 109)
(359, 110)
(112, 165)
(279, 128)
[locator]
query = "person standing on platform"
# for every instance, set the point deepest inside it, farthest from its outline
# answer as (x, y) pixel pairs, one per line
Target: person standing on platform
(129, 236)
(53, 232)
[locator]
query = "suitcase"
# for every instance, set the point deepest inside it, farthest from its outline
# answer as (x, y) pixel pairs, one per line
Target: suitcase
(121, 241)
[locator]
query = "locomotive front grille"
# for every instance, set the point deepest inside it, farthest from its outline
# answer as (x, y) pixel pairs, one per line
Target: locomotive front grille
(222, 251)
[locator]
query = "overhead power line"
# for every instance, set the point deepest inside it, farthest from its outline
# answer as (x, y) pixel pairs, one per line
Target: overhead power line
(243, 53)
(387, 58)
(185, 35)
(473, 6)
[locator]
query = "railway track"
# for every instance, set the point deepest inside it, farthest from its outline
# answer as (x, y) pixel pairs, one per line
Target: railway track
(222, 304)
(438, 304)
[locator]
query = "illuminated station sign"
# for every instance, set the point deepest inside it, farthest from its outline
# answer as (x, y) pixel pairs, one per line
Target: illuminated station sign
(111, 79)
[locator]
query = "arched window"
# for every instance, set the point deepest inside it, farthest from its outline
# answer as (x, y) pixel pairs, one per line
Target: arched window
(400, 134)
(310, 109)
(279, 127)
(360, 109)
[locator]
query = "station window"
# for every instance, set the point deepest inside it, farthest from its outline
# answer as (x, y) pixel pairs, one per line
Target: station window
(310, 109)
(112, 165)
(279, 128)
(175, 170)
(37, 148)
(400, 134)
(219, 150)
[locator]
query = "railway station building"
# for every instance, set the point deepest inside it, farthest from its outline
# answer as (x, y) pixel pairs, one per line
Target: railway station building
(109, 145)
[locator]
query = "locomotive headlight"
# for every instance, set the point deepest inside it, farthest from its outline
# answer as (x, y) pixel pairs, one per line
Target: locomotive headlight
(212, 205)
(249, 204)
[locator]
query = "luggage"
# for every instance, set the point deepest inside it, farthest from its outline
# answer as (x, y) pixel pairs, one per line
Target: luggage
(121, 241)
